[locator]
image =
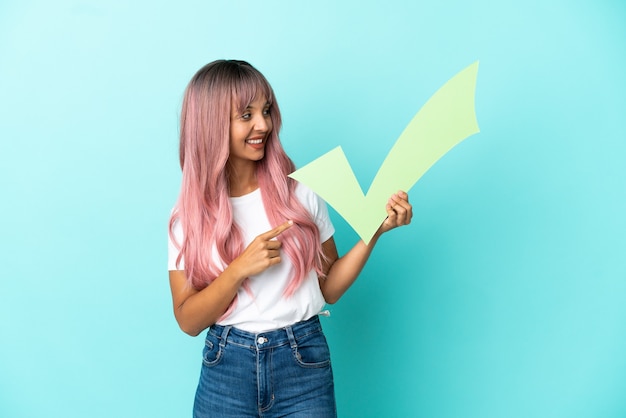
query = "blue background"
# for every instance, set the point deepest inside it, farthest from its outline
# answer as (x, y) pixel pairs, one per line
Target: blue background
(505, 296)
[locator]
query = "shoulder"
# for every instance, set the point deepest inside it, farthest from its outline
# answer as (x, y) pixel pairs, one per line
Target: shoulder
(318, 210)
(175, 227)
(307, 197)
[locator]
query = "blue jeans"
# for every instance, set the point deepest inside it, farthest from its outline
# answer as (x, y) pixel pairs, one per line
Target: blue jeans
(279, 373)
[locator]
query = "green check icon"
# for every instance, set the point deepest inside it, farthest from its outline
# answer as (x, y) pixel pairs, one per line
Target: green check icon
(446, 119)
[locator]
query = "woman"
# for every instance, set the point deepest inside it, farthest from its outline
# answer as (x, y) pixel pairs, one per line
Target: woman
(252, 256)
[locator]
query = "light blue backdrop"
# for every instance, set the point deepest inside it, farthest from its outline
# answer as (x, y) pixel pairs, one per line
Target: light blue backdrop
(504, 298)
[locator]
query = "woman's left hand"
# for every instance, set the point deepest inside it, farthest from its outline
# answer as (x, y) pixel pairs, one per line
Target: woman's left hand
(399, 212)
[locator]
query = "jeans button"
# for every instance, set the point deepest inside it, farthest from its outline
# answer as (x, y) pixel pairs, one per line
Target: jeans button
(261, 340)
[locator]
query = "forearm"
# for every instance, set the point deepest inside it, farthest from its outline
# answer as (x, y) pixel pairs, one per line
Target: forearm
(345, 270)
(201, 309)
(342, 272)
(197, 310)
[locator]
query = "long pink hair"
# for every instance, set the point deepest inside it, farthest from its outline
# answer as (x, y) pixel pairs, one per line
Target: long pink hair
(203, 206)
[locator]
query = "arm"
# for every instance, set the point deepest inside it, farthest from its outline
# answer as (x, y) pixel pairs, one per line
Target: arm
(342, 272)
(196, 310)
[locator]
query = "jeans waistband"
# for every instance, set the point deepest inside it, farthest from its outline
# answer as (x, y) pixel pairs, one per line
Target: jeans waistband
(268, 339)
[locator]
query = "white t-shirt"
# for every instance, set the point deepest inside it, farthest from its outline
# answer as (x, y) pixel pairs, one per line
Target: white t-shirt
(269, 308)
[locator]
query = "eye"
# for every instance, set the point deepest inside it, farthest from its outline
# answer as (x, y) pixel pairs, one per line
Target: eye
(246, 116)
(266, 111)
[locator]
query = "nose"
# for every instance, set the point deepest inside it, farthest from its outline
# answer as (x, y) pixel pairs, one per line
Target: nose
(262, 123)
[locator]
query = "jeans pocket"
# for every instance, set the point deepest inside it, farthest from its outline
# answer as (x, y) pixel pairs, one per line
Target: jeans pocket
(312, 351)
(212, 352)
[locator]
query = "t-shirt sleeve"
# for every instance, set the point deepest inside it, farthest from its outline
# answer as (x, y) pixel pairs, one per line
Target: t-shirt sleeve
(317, 207)
(173, 249)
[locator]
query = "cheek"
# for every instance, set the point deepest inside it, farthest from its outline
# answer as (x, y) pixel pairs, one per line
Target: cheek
(237, 133)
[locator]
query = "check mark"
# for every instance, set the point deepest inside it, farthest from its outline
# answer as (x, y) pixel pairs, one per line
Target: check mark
(446, 119)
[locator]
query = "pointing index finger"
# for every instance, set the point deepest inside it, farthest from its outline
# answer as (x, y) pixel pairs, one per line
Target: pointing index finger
(278, 230)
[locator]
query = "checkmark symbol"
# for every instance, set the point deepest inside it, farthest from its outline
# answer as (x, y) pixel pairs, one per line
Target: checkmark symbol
(446, 119)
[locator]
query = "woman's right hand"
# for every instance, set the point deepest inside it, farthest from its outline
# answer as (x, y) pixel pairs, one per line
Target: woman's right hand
(262, 253)
(195, 310)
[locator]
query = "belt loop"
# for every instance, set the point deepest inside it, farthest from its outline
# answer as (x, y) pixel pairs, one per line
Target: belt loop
(292, 339)
(224, 335)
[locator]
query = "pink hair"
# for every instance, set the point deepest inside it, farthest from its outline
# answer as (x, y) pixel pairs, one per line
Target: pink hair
(203, 206)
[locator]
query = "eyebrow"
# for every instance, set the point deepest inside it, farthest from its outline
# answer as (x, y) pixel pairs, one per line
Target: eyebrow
(250, 107)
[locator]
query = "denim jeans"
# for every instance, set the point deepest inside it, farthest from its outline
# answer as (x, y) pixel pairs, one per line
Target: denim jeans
(279, 373)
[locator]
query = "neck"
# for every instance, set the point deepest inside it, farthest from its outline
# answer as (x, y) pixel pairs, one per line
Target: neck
(242, 179)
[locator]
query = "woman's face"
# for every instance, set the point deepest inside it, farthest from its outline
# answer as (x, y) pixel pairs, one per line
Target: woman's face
(249, 131)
